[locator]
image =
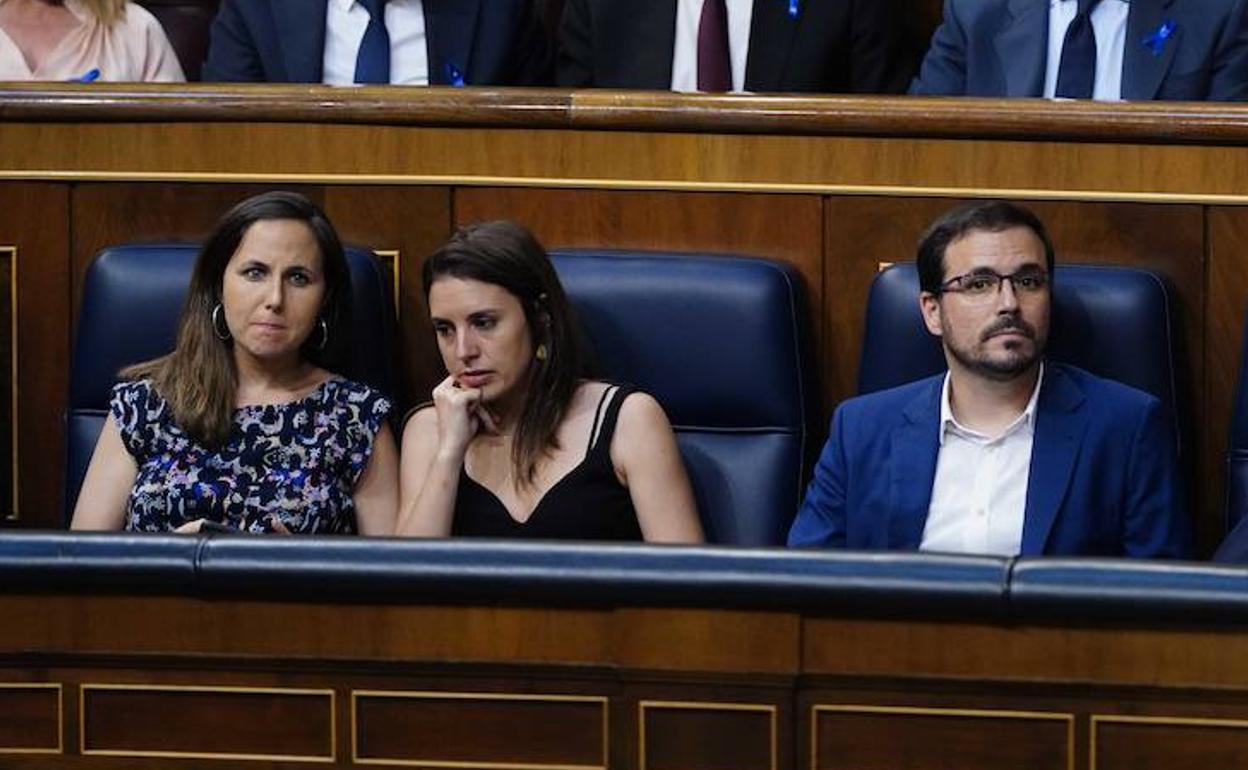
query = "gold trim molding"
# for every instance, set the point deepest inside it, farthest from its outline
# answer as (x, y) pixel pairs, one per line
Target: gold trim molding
(394, 259)
(642, 706)
(924, 711)
(60, 716)
(644, 185)
(601, 700)
(85, 687)
(13, 514)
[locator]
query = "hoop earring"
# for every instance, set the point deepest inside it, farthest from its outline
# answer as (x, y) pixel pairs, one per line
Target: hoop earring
(217, 324)
(324, 335)
(541, 354)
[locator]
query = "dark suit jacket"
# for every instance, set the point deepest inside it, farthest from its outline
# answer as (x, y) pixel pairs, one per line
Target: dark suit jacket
(492, 42)
(1234, 549)
(833, 46)
(1103, 477)
(1000, 48)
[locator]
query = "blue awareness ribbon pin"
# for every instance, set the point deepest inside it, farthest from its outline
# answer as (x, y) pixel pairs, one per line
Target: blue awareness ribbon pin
(453, 76)
(794, 8)
(1156, 40)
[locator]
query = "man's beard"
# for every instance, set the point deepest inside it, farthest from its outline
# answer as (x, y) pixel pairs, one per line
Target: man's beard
(1014, 364)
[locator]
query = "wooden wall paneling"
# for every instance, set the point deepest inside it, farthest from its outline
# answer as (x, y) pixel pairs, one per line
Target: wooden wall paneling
(865, 737)
(682, 735)
(707, 640)
(32, 718)
(1157, 742)
(176, 625)
(654, 140)
(408, 223)
(1171, 657)
(783, 227)
(700, 721)
(222, 723)
(1227, 286)
(534, 730)
(34, 298)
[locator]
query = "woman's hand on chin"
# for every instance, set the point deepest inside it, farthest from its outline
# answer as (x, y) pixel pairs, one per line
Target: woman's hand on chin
(459, 416)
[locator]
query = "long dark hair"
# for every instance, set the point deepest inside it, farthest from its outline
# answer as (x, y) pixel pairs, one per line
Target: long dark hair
(506, 254)
(199, 379)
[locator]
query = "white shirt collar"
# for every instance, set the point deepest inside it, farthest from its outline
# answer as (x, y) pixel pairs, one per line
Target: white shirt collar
(948, 422)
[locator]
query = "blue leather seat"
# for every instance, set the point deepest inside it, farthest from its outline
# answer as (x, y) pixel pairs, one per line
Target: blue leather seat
(131, 301)
(1112, 321)
(1237, 453)
(721, 343)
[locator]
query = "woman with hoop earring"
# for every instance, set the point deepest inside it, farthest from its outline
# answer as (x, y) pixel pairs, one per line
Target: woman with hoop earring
(244, 426)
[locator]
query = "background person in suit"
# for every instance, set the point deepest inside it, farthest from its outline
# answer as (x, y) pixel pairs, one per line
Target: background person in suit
(420, 42)
(834, 46)
(1005, 453)
(1104, 49)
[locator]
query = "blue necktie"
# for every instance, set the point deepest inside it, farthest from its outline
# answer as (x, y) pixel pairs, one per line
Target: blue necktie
(1076, 73)
(373, 63)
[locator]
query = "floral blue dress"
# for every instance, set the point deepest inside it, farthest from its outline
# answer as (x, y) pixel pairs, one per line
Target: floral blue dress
(296, 462)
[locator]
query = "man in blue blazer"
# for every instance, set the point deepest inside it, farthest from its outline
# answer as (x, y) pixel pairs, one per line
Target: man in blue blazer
(1191, 50)
(469, 42)
(1005, 453)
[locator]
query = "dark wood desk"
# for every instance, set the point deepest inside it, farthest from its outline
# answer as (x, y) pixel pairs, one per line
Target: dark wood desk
(833, 185)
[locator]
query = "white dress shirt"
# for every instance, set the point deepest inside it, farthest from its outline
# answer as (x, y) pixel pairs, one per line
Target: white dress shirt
(345, 22)
(685, 52)
(1109, 25)
(979, 495)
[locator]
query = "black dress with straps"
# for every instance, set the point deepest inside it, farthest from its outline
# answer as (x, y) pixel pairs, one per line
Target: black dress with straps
(588, 503)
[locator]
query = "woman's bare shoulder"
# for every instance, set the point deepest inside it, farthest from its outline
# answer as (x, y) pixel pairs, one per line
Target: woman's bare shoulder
(420, 423)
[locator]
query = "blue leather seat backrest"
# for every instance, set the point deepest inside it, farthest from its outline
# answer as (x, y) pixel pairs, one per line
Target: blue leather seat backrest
(132, 298)
(721, 342)
(1112, 321)
(1237, 451)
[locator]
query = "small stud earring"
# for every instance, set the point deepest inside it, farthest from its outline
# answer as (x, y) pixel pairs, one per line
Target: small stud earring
(541, 354)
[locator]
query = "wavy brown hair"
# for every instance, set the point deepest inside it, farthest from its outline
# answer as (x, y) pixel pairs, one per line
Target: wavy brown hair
(199, 379)
(506, 254)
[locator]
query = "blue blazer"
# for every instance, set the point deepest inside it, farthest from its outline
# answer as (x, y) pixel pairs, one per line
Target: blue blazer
(490, 42)
(1000, 47)
(1103, 478)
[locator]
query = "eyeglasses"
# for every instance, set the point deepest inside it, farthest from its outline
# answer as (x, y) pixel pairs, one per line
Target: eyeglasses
(987, 283)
